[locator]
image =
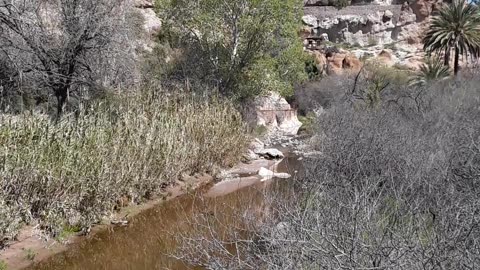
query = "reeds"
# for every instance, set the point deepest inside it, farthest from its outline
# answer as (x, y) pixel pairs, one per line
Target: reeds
(73, 172)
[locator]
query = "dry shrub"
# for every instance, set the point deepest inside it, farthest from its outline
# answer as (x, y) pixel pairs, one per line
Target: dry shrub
(395, 187)
(131, 145)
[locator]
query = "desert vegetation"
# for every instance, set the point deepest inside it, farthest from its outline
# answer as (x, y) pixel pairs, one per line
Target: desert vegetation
(394, 186)
(75, 172)
(90, 121)
(393, 181)
(243, 48)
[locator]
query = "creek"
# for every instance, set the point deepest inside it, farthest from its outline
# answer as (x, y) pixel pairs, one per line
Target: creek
(151, 237)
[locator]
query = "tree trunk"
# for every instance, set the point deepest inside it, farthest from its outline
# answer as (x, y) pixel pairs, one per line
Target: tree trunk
(62, 97)
(456, 65)
(447, 56)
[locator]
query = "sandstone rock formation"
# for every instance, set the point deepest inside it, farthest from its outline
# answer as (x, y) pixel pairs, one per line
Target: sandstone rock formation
(151, 23)
(273, 112)
(369, 26)
(342, 62)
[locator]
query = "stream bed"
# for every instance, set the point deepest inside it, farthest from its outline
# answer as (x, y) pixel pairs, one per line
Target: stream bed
(151, 237)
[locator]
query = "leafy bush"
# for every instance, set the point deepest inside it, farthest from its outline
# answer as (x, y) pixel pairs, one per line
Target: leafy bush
(132, 145)
(242, 48)
(311, 69)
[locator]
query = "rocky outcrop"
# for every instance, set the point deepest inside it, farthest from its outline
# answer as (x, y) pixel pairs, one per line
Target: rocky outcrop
(368, 29)
(151, 23)
(356, 27)
(274, 113)
(375, 23)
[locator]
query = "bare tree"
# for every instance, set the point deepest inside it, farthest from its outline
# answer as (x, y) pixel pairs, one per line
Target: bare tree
(65, 45)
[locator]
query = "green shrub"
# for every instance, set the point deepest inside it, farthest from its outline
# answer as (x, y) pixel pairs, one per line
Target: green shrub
(3, 265)
(339, 4)
(132, 145)
(311, 69)
(308, 123)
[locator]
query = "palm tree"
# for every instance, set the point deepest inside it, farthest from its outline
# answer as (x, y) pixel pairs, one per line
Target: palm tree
(432, 70)
(456, 26)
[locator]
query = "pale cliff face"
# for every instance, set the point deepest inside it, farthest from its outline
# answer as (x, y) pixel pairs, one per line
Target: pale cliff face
(371, 26)
(379, 21)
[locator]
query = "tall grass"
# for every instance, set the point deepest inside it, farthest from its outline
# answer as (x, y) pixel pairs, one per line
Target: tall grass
(73, 172)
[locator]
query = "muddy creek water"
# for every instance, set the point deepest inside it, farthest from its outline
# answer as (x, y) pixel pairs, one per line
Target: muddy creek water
(151, 237)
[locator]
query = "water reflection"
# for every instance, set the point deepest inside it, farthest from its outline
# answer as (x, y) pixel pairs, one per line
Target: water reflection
(151, 236)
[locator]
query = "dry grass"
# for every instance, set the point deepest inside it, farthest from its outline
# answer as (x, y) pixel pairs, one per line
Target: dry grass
(72, 173)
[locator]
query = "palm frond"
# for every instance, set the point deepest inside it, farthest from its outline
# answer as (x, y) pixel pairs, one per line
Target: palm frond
(432, 70)
(457, 26)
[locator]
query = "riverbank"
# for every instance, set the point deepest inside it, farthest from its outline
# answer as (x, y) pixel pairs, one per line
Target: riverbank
(33, 245)
(31, 248)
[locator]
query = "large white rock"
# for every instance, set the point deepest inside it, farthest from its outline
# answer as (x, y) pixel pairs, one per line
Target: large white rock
(267, 174)
(310, 20)
(256, 145)
(152, 23)
(273, 112)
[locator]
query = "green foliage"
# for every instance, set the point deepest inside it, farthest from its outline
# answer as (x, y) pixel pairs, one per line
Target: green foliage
(456, 26)
(432, 70)
(72, 173)
(30, 254)
(308, 123)
(311, 69)
(67, 231)
(3, 265)
(378, 77)
(243, 48)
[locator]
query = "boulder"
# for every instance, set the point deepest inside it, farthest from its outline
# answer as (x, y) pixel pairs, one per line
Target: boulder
(352, 63)
(343, 62)
(320, 61)
(382, 2)
(144, 4)
(273, 112)
(270, 153)
(310, 20)
(152, 23)
(256, 145)
(387, 15)
(267, 174)
(423, 9)
(387, 58)
(250, 156)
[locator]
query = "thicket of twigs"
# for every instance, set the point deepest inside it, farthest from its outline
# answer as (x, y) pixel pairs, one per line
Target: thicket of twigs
(396, 186)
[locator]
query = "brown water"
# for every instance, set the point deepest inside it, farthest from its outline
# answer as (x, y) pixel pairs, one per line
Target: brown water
(150, 238)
